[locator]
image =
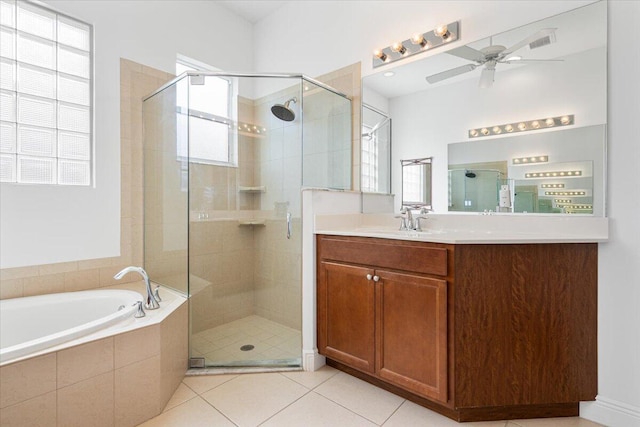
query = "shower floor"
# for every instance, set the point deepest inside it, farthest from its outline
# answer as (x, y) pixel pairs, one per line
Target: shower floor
(272, 343)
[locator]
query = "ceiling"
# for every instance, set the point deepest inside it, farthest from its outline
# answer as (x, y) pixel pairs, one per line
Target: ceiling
(252, 10)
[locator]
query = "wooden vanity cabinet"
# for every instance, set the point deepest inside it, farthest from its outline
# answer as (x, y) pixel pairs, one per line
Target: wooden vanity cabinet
(475, 332)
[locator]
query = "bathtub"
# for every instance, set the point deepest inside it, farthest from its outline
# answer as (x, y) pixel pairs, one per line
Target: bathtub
(32, 324)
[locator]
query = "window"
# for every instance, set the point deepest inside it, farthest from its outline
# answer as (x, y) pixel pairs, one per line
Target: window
(46, 96)
(369, 160)
(375, 151)
(211, 138)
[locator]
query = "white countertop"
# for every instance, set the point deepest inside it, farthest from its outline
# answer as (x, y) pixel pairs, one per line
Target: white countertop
(471, 229)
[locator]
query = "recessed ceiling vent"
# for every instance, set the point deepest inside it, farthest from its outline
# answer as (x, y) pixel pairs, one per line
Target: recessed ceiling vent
(543, 41)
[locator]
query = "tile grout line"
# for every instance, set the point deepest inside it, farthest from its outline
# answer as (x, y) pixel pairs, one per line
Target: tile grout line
(351, 410)
(394, 412)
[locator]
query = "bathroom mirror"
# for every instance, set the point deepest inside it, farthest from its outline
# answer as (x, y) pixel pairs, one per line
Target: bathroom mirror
(416, 183)
(562, 70)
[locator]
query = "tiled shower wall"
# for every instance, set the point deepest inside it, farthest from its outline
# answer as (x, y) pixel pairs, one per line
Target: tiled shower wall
(136, 81)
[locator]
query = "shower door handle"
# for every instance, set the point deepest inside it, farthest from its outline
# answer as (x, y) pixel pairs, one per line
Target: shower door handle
(288, 225)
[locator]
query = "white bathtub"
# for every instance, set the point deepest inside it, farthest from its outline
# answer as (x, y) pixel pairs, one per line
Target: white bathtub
(31, 324)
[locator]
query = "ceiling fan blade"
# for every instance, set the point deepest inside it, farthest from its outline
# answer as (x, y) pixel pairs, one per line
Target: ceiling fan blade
(486, 78)
(529, 61)
(434, 78)
(467, 53)
(536, 36)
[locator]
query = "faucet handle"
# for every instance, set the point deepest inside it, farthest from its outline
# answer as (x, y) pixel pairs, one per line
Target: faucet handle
(416, 220)
(403, 222)
(140, 311)
(156, 293)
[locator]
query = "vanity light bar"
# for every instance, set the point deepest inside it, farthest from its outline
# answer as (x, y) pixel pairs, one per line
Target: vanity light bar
(529, 160)
(525, 126)
(555, 174)
(562, 201)
(579, 207)
(418, 43)
(551, 185)
(565, 193)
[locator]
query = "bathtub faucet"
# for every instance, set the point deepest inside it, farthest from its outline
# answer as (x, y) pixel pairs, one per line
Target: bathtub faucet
(152, 301)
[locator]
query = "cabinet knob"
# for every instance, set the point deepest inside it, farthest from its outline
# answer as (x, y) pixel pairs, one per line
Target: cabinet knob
(376, 278)
(369, 277)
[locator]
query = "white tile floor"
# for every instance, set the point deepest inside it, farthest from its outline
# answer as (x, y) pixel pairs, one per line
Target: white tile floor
(290, 399)
(272, 342)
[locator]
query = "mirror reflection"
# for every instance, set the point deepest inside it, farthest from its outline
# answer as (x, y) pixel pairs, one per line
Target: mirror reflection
(416, 183)
(561, 71)
(375, 160)
(550, 172)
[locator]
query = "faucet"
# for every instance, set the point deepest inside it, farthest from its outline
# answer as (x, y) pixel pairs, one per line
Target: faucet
(411, 222)
(152, 300)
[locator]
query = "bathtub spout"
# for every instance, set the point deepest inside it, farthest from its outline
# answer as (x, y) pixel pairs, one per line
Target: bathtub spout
(151, 303)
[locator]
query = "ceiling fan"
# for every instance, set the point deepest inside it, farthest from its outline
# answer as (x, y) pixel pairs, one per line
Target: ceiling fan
(492, 55)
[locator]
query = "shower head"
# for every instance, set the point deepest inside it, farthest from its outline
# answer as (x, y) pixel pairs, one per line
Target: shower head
(283, 112)
(469, 174)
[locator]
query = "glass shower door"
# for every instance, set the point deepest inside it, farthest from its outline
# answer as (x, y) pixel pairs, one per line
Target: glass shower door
(244, 237)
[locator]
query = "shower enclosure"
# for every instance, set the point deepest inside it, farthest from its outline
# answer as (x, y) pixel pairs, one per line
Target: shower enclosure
(225, 159)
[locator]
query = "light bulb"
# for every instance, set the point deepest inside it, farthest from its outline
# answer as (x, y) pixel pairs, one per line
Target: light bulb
(535, 124)
(550, 122)
(443, 32)
(496, 129)
(484, 131)
(522, 126)
(565, 120)
(399, 48)
(380, 55)
(508, 128)
(473, 132)
(418, 39)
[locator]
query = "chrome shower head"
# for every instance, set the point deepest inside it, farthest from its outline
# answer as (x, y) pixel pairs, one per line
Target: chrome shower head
(283, 112)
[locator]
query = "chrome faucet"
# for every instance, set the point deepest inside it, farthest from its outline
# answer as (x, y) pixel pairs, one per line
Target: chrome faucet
(152, 300)
(409, 221)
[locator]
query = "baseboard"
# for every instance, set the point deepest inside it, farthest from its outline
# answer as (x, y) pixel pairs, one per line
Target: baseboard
(312, 360)
(611, 412)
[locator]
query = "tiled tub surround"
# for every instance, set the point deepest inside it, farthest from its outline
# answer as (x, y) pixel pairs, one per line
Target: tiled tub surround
(107, 378)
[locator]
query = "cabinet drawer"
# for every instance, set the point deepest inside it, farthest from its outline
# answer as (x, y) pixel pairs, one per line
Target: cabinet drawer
(398, 255)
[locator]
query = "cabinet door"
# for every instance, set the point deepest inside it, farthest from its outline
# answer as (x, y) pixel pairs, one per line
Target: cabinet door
(412, 333)
(346, 314)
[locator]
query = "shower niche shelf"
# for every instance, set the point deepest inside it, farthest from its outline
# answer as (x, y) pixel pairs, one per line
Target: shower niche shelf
(254, 190)
(252, 222)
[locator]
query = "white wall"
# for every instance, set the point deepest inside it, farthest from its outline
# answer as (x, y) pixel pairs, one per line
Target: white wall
(325, 35)
(49, 224)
